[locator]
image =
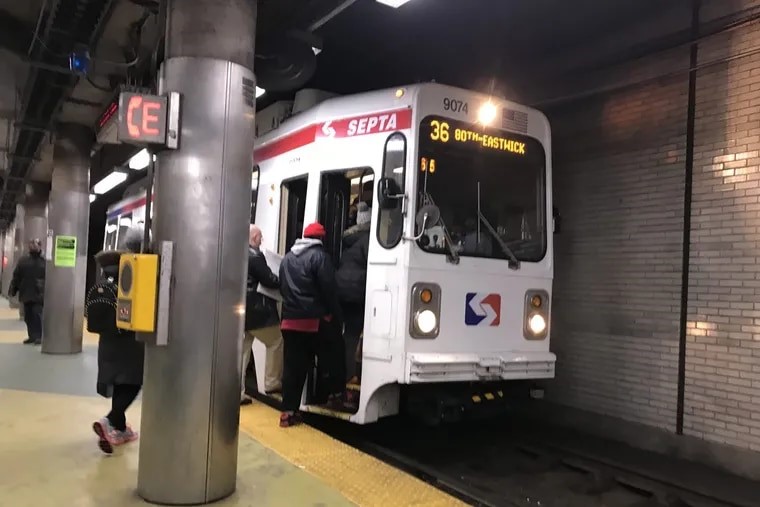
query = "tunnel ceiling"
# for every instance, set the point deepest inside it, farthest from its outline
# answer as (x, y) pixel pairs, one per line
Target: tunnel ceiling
(480, 44)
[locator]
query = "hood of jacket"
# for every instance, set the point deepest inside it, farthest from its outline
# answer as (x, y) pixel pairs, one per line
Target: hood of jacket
(303, 244)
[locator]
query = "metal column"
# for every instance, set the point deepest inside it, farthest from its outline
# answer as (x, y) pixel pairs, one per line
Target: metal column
(63, 315)
(19, 249)
(190, 408)
(8, 251)
(35, 213)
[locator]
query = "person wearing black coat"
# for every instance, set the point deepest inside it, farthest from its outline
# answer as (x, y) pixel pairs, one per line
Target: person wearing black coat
(311, 323)
(120, 362)
(29, 283)
(352, 285)
(262, 320)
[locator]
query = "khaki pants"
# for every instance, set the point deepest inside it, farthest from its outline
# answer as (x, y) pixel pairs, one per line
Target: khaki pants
(272, 339)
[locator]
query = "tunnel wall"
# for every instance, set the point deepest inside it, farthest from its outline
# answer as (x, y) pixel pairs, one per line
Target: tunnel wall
(618, 182)
(619, 173)
(722, 396)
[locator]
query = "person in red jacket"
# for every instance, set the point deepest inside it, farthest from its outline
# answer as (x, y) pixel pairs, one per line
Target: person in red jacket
(311, 323)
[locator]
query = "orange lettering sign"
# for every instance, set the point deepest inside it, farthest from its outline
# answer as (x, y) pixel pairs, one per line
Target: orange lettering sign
(134, 103)
(149, 119)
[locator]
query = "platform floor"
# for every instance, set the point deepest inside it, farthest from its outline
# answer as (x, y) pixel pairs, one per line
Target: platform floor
(49, 456)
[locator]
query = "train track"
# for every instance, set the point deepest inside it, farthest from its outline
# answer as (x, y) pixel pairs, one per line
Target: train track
(506, 464)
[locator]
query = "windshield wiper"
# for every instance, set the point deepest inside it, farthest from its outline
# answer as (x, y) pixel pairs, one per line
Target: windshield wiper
(453, 255)
(513, 262)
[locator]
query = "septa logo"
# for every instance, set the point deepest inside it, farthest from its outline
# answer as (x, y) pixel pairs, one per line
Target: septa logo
(482, 309)
(399, 119)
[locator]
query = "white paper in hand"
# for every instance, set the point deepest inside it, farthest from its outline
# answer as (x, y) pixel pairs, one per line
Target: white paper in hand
(273, 261)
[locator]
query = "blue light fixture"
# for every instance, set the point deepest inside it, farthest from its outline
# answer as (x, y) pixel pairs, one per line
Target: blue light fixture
(79, 61)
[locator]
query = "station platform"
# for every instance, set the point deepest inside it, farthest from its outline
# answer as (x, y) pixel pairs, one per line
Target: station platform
(49, 454)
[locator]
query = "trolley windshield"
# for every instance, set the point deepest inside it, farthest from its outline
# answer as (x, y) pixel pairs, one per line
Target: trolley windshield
(490, 186)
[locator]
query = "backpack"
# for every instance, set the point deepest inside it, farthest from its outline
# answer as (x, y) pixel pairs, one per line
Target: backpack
(100, 308)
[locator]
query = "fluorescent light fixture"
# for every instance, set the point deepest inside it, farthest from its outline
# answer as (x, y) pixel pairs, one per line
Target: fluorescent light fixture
(140, 160)
(93, 197)
(110, 182)
(398, 170)
(393, 3)
(260, 92)
(125, 222)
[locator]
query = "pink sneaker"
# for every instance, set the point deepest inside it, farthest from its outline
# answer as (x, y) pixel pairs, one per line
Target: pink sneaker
(128, 435)
(108, 436)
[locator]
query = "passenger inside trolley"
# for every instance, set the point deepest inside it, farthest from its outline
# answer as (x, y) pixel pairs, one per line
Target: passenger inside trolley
(345, 210)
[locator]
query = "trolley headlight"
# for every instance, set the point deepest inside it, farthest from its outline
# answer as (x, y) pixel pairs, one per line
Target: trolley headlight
(487, 113)
(426, 321)
(537, 324)
(536, 315)
(425, 310)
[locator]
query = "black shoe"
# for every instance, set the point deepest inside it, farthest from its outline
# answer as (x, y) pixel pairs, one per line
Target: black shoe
(245, 401)
(37, 342)
(29, 341)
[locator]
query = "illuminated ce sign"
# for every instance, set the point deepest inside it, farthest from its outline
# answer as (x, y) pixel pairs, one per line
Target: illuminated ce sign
(149, 119)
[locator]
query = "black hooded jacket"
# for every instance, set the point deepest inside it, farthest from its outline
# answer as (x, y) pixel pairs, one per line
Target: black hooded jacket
(307, 282)
(352, 274)
(120, 355)
(29, 279)
(260, 310)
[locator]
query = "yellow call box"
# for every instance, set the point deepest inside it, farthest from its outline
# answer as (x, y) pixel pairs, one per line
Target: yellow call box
(136, 303)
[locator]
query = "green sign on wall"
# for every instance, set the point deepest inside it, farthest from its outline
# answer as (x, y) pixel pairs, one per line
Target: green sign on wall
(65, 255)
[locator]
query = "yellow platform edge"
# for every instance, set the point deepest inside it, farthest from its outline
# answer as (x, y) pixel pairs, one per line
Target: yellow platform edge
(361, 478)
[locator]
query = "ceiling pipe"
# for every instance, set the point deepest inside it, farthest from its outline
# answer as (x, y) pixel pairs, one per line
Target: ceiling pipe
(330, 15)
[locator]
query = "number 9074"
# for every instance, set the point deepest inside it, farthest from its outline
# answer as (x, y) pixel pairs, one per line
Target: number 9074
(458, 106)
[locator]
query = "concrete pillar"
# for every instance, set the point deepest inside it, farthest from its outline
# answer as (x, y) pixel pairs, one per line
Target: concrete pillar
(63, 315)
(10, 263)
(191, 396)
(19, 249)
(35, 213)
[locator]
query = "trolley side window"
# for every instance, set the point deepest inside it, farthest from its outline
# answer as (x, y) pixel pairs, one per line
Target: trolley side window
(125, 223)
(390, 226)
(340, 192)
(254, 192)
(111, 227)
(292, 211)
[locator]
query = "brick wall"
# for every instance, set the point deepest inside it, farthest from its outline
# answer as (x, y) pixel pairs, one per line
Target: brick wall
(618, 182)
(619, 165)
(723, 343)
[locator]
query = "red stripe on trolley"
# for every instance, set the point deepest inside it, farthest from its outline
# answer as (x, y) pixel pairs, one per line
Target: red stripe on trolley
(373, 123)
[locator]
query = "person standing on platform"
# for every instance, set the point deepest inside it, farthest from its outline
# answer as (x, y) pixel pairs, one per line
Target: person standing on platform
(29, 283)
(311, 317)
(120, 355)
(261, 318)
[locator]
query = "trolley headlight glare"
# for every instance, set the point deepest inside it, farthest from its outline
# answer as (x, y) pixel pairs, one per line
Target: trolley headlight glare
(487, 113)
(426, 321)
(537, 324)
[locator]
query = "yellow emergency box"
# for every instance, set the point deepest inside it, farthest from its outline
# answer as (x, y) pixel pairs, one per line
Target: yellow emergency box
(136, 303)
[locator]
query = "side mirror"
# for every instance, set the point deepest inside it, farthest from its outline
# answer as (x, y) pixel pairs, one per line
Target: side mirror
(388, 193)
(557, 219)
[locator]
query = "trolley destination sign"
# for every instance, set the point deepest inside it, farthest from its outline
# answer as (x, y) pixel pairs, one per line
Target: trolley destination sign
(441, 131)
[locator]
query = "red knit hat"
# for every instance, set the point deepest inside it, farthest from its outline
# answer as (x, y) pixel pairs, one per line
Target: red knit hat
(315, 230)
